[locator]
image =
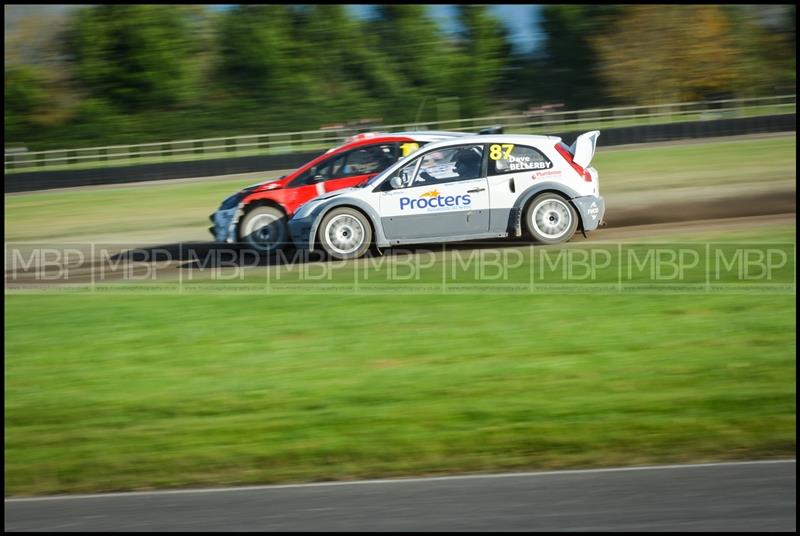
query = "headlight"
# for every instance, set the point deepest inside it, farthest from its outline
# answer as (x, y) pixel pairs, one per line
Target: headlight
(306, 210)
(235, 199)
(231, 201)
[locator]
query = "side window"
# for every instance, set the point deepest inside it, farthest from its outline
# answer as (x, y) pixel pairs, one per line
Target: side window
(510, 158)
(333, 168)
(436, 167)
(361, 161)
(401, 178)
(451, 164)
(320, 172)
(366, 160)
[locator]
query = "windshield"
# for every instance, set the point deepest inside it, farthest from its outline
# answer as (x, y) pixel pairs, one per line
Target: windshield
(377, 178)
(407, 150)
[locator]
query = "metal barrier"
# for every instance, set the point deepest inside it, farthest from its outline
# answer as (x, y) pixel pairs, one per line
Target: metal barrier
(24, 181)
(529, 122)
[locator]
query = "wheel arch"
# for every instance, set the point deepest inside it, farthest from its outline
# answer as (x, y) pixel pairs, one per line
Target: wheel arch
(248, 205)
(527, 197)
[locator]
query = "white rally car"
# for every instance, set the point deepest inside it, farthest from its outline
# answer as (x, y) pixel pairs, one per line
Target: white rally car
(462, 189)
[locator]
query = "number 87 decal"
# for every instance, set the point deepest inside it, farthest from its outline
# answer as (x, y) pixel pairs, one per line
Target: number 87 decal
(501, 152)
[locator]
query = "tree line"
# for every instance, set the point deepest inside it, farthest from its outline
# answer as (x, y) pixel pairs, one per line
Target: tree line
(141, 73)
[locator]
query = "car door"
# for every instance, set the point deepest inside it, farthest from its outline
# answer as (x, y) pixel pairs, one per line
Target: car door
(341, 170)
(310, 183)
(445, 195)
(511, 169)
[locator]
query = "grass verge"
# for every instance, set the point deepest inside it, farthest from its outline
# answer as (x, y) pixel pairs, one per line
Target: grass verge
(111, 392)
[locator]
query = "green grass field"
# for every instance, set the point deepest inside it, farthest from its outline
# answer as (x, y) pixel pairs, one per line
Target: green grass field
(135, 392)
(108, 391)
(112, 391)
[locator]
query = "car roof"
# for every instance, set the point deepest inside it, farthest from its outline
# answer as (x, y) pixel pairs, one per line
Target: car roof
(522, 139)
(432, 133)
(366, 138)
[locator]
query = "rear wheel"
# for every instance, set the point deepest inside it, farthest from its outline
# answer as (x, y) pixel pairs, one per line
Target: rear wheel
(345, 233)
(551, 219)
(264, 229)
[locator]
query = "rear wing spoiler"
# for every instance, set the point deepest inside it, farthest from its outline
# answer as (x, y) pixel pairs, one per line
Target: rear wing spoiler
(583, 148)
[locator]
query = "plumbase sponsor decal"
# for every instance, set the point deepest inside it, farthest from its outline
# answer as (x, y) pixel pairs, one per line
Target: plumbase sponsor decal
(432, 200)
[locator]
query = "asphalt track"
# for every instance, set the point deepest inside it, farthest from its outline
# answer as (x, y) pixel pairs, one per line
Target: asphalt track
(747, 496)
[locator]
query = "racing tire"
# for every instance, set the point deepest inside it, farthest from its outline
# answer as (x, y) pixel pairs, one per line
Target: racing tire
(551, 219)
(345, 233)
(264, 229)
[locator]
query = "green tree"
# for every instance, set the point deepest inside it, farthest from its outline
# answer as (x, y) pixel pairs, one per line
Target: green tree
(25, 100)
(767, 64)
(202, 53)
(566, 69)
(258, 54)
(344, 75)
(483, 54)
(136, 56)
(660, 54)
(425, 62)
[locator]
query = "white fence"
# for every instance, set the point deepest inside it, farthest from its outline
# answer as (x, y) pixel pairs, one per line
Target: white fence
(531, 121)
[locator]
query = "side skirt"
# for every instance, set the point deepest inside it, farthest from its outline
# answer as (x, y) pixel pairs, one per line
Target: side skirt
(459, 238)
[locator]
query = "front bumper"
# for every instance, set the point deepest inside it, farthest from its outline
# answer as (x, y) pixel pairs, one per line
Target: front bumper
(224, 225)
(592, 209)
(301, 231)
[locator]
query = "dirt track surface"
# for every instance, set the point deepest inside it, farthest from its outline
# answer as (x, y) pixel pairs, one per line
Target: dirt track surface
(702, 203)
(173, 259)
(630, 215)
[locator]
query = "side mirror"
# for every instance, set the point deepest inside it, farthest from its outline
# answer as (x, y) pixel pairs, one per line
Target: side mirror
(396, 182)
(317, 178)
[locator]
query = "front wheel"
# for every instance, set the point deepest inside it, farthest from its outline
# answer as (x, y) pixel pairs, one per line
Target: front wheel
(264, 229)
(345, 233)
(551, 219)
